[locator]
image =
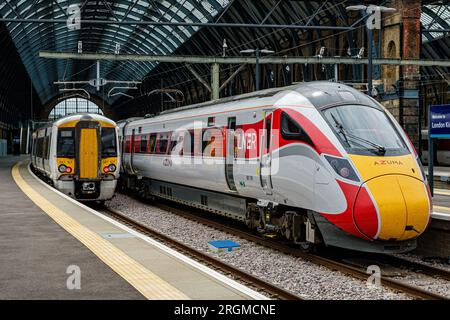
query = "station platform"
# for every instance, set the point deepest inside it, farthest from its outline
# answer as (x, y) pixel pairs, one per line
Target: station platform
(52, 247)
(440, 172)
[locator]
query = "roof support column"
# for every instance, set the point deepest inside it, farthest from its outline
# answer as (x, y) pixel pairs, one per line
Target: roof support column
(215, 81)
(411, 44)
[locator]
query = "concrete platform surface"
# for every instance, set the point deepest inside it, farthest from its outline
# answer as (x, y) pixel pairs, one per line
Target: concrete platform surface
(35, 253)
(44, 232)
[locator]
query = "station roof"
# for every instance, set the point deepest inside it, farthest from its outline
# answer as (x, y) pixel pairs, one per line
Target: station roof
(159, 40)
(31, 38)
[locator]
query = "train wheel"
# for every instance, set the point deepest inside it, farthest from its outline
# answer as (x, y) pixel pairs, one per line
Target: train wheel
(306, 246)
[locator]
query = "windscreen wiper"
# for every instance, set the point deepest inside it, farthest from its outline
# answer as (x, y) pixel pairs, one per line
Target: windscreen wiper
(380, 149)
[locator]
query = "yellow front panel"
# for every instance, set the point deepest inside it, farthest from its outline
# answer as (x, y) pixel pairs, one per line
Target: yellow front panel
(417, 205)
(88, 154)
(373, 166)
(73, 123)
(391, 205)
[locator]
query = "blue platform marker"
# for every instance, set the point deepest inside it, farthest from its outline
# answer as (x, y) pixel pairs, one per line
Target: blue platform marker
(223, 245)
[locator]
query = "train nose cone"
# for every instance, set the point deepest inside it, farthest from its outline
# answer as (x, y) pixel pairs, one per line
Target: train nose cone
(399, 203)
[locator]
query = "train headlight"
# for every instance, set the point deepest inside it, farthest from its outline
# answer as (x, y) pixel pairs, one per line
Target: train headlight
(64, 169)
(342, 167)
(110, 168)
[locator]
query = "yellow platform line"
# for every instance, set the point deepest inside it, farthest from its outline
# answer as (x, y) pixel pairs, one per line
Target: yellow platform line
(442, 192)
(440, 208)
(147, 283)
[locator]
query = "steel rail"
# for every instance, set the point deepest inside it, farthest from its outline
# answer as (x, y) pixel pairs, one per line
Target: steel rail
(296, 252)
(248, 279)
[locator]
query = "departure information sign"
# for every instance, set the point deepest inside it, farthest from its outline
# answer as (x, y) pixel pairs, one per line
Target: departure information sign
(439, 121)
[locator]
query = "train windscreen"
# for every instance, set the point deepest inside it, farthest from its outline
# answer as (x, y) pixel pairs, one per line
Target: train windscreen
(365, 130)
(108, 139)
(66, 143)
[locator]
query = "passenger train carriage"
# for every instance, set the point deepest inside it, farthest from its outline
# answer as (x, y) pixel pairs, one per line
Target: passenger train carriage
(79, 155)
(316, 163)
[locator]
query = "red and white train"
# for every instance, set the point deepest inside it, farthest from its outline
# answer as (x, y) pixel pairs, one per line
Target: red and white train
(315, 163)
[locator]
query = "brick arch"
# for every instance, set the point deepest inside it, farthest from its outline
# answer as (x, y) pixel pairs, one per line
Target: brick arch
(102, 104)
(391, 72)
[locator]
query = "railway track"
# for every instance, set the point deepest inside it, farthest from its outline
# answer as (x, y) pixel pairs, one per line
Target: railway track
(240, 275)
(332, 264)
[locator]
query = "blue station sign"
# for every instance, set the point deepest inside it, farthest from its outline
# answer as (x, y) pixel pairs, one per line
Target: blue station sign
(439, 121)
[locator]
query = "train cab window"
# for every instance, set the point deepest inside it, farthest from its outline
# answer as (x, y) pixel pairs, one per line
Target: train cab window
(365, 130)
(66, 143)
(291, 130)
(108, 139)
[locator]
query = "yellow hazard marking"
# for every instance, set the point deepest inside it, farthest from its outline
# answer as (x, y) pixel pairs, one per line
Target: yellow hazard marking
(442, 192)
(443, 209)
(147, 283)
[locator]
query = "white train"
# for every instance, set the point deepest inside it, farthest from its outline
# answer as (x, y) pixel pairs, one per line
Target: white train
(315, 163)
(79, 155)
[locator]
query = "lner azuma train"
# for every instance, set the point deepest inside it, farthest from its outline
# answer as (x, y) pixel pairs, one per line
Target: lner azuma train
(79, 155)
(315, 163)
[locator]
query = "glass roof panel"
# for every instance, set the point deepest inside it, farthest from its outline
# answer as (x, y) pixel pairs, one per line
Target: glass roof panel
(162, 40)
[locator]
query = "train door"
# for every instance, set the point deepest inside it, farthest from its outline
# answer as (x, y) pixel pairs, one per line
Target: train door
(88, 150)
(229, 157)
(265, 153)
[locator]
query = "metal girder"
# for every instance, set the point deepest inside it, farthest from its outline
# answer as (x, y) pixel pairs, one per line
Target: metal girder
(179, 24)
(215, 81)
(199, 78)
(235, 73)
(239, 60)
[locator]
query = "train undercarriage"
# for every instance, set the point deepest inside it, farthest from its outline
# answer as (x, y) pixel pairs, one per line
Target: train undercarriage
(307, 229)
(268, 218)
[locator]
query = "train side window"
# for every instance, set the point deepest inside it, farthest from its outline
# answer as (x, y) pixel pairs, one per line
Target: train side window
(175, 140)
(152, 143)
(47, 146)
(38, 147)
(66, 143)
(163, 139)
(144, 143)
(291, 130)
(137, 143)
(128, 144)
